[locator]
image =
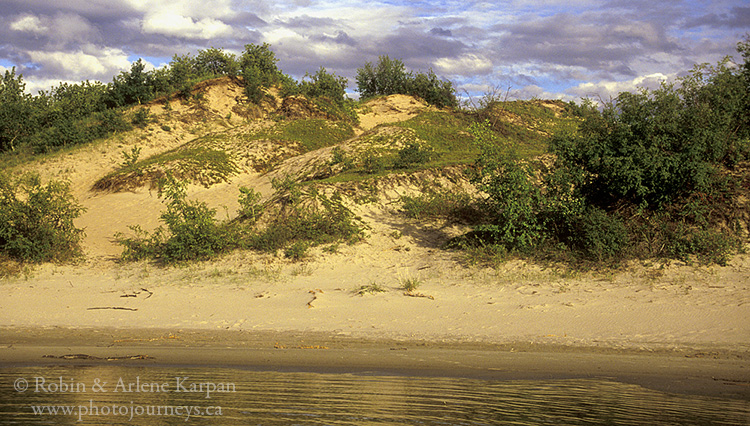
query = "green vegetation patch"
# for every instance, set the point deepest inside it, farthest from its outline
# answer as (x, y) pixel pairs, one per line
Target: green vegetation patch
(196, 164)
(306, 218)
(302, 219)
(310, 134)
(191, 233)
(36, 220)
(442, 204)
(651, 174)
(446, 134)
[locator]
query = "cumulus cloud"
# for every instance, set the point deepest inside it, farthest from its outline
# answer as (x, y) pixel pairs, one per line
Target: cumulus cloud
(82, 65)
(610, 89)
(55, 30)
(467, 64)
(171, 24)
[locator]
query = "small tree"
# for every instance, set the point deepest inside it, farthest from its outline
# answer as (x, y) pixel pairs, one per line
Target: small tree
(388, 77)
(15, 111)
(130, 88)
(258, 69)
(433, 90)
(653, 147)
(323, 84)
(192, 231)
(514, 203)
(216, 62)
(182, 69)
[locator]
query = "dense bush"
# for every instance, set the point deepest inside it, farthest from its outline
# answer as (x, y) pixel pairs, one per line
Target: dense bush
(328, 92)
(192, 231)
(307, 219)
(412, 154)
(130, 88)
(513, 202)
(36, 220)
(390, 77)
(643, 176)
(215, 62)
(653, 147)
(432, 89)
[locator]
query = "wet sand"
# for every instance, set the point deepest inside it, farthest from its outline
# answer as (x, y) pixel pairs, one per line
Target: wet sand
(698, 371)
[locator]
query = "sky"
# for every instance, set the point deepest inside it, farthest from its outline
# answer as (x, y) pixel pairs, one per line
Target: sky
(550, 49)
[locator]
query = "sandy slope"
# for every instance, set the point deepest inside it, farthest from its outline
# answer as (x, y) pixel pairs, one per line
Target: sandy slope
(656, 307)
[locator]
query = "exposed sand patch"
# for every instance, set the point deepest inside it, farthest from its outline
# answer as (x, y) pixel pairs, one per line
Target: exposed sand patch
(685, 307)
(390, 109)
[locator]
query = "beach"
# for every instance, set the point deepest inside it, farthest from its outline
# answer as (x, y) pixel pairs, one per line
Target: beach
(686, 331)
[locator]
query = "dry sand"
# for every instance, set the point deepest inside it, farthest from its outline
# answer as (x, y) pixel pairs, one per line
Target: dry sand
(673, 310)
(684, 307)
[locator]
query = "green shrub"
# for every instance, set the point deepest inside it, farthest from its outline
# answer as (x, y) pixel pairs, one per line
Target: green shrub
(373, 162)
(514, 204)
(653, 147)
(258, 70)
(323, 84)
(129, 88)
(598, 235)
(63, 132)
(688, 243)
(412, 154)
(310, 219)
(338, 156)
(454, 205)
(251, 207)
(389, 76)
(141, 118)
(297, 251)
(130, 158)
(433, 90)
(36, 221)
(191, 232)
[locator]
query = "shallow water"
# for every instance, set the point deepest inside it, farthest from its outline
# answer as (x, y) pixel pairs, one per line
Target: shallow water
(118, 395)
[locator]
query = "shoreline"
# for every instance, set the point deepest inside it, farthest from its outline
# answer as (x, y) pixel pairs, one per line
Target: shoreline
(706, 371)
(673, 328)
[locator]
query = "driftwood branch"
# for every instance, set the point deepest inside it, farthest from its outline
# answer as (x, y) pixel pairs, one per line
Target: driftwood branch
(120, 308)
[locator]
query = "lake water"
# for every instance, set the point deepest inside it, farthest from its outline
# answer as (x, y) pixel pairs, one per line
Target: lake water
(124, 395)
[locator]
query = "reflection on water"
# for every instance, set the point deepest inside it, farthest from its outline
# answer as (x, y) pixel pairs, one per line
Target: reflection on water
(117, 395)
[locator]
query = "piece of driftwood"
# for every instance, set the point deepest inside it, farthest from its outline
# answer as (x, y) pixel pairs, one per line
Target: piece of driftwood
(106, 358)
(119, 308)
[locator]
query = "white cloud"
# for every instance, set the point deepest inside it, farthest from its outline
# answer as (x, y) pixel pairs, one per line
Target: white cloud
(29, 23)
(468, 64)
(58, 29)
(214, 9)
(82, 64)
(35, 85)
(610, 89)
(170, 24)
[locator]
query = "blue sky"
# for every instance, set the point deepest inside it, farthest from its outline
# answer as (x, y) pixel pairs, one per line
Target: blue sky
(545, 48)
